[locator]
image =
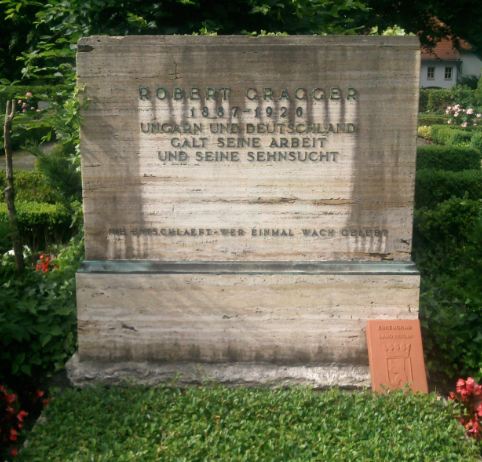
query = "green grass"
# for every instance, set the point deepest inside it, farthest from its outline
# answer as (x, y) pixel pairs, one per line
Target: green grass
(245, 424)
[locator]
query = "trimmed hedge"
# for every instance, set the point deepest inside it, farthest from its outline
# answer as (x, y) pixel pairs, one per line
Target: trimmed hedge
(476, 141)
(435, 186)
(40, 223)
(434, 100)
(246, 424)
(30, 186)
(437, 99)
(452, 158)
(431, 119)
(443, 134)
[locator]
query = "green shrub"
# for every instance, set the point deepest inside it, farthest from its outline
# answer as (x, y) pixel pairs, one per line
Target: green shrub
(431, 119)
(246, 424)
(476, 141)
(447, 248)
(40, 223)
(425, 132)
(31, 186)
(435, 186)
(453, 158)
(443, 134)
(62, 172)
(438, 99)
(423, 100)
(37, 317)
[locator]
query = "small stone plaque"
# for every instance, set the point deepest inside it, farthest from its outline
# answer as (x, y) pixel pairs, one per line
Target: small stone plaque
(396, 355)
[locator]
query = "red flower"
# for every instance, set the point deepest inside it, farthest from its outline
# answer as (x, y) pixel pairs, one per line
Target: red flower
(39, 393)
(478, 411)
(469, 385)
(478, 390)
(21, 415)
(13, 434)
(452, 395)
(45, 402)
(472, 427)
(460, 385)
(10, 398)
(14, 452)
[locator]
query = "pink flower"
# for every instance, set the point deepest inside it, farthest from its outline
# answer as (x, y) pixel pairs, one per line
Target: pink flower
(469, 385)
(463, 124)
(470, 111)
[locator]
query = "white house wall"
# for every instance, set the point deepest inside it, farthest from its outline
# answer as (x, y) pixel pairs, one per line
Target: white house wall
(439, 80)
(471, 65)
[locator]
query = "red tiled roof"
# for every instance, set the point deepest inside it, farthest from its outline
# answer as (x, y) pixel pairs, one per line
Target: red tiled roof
(445, 51)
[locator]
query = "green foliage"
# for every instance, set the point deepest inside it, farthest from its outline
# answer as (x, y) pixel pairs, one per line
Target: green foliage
(37, 317)
(32, 126)
(30, 186)
(62, 172)
(476, 141)
(40, 223)
(246, 424)
(453, 158)
(436, 100)
(448, 252)
(443, 134)
(431, 119)
(435, 186)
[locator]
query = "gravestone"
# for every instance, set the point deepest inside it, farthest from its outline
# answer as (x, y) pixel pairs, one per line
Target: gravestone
(247, 203)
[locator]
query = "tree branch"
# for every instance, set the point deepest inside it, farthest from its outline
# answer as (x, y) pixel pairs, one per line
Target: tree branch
(10, 190)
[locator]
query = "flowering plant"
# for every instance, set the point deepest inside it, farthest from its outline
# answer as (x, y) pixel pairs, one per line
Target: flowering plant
(468, 394)
(11, 421)
(44, 263)
(463, 117)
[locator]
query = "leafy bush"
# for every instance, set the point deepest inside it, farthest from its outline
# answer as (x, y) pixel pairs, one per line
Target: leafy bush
(468, 395)
(443, 134)
(31, 186)
(431, 119)
(11, 422)
(453, 158)
(435, 186)
(448, 251)
(62, 173)
(37, 317)
(425, 131)
(246, 424)
(465, 117)
(476, 141)
(40, 223)
(434, 100)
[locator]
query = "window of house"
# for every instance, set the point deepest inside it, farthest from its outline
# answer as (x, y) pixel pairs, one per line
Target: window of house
(430, 73)
(448, 73)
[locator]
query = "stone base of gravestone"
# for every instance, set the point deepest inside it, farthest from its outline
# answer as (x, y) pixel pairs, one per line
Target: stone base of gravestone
(237, 323)
(82, 373)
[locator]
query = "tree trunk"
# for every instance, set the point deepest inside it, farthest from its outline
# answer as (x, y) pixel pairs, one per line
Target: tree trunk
(9, 190)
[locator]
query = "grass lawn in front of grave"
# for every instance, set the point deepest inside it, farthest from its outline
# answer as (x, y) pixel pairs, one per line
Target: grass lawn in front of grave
(245, 424)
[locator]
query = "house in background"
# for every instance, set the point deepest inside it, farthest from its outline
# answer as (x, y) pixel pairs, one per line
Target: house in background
(444, 66)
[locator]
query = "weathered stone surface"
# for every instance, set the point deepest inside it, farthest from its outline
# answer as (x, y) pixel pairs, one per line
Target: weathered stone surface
(275, 318)
(82, 373)
(347, 104)
(233, 188)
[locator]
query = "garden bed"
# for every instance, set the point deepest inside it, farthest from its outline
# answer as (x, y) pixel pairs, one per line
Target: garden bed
(217, 423)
